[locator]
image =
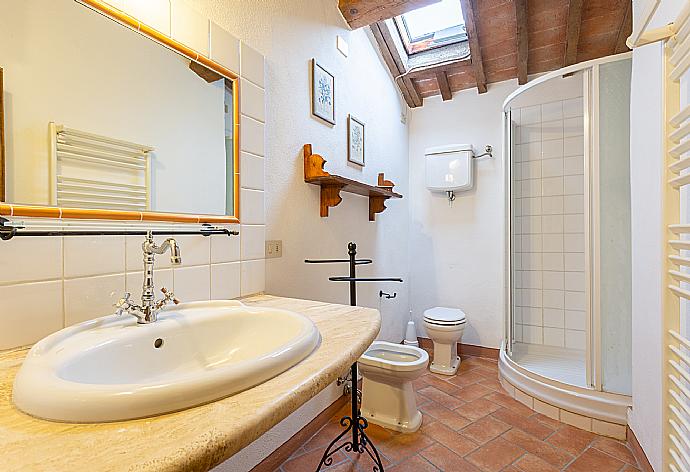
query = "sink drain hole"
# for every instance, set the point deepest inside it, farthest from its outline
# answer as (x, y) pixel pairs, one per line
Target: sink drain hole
(158, 343)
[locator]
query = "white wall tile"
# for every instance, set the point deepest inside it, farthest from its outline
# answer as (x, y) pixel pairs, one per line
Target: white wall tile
(573, 127)
(551, 149)
(225, 49)
(573, 107)
(552, 205)
(573, 203)
(552, 167)
(573, 184)
(530, 188)
(575, 339)
(29, 311)
(532, 315)
(225, 248)
(554, 318)
(92, 297)
(575, 281)
(530, 115)
(552, 243)
(253, 242)
(30, 259)
(189, 27)
(194, 250)
(251, 171)
(530, 134)
(253, 276)
(574, 242)
(574, 146)
(134, 254)
(251, 135)
(252, 207)
(574, 261)
(575, 320)
(94, 255)
(552, 223)
(252, 65)
(552, 111)
(531, 261)
(225, 281)
(252, 101)
(533, 334)
(531, 170)
(574, 165)
(193, 283)
(552, 186)
(161, 278)
(554, 337)
(553, 298)
(531, 279)
(553, 280)
(552, 130)
(573, 223)
(575, 301)
(154, 13)
(552, 261)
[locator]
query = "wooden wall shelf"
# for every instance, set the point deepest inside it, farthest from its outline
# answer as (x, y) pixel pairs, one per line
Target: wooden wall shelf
(332, 185)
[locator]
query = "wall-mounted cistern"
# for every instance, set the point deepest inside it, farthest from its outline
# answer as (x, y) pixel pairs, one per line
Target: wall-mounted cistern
(148, 310)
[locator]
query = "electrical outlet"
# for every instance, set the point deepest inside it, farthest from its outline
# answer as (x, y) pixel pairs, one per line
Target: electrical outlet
(274, 249)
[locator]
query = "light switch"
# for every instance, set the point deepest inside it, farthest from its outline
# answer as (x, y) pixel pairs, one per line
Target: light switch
(274, 249)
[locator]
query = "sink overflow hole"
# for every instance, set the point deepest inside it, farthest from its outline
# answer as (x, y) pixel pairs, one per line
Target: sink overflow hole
(158, 343)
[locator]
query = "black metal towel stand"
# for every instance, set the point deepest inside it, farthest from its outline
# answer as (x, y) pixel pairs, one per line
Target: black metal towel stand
(355, 423)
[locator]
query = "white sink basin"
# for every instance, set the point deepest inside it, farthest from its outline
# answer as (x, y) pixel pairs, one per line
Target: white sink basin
(109, 369)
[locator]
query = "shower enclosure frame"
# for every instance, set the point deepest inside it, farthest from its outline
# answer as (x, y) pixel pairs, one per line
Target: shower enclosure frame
(614, 403)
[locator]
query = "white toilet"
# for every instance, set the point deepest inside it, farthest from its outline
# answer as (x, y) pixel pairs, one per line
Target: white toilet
(445, 327)
(388, 398)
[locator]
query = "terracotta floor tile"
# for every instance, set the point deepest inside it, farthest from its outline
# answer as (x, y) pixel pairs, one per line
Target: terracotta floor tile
(485, 429)
(472, 392)
(421, 399)
(454, 441)
(449, 401)
(466, 378)
(543, 450)
(448, 417)
(616, 449)
(476, 409)
(310, 460)
(495, 455)
(346, 466)
(414, 464)
(324, 436)
(420, 382)
(493, 384)
(447, 460)
(550, 422)
(571, 439)
(490, 373)
(443, 385)
(531, 463)
(629, 468)
(507, 402)
(528, 425)
(402, 446)
(595, 460)
(364, 462)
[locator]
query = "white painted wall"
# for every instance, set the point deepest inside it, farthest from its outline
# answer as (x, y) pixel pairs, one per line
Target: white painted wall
(289, 34)
(457, 251)
(137, 91)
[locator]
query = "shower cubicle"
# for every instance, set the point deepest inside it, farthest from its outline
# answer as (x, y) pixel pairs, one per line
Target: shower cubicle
(567, 351)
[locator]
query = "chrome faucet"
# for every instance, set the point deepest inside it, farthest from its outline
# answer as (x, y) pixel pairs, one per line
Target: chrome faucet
(147, 312)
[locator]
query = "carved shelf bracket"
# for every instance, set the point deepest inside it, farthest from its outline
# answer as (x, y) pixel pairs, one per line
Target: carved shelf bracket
(331, 186)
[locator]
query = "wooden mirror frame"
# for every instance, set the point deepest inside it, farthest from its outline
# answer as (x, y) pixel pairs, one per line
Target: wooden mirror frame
(8, 209)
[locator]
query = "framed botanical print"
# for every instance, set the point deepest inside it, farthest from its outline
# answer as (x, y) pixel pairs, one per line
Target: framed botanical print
(355, 140)
(322, 93)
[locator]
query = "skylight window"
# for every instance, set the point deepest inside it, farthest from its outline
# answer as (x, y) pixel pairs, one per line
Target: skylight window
(435, 25)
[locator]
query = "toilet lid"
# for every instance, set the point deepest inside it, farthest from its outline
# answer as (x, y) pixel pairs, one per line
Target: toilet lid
(442, 315)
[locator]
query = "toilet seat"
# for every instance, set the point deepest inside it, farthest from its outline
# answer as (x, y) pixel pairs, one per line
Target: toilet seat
(442, 316)
(394, 357)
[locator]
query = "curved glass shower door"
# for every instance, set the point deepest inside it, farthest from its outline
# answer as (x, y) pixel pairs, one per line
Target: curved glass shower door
(570, 314)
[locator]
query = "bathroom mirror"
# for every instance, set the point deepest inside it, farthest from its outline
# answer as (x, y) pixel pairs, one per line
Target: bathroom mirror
(112, 116)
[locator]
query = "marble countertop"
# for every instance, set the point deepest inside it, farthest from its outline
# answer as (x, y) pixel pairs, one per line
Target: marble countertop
(196, 439)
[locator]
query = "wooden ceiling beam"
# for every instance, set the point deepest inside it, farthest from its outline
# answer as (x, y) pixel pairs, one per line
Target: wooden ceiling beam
(469, 13)
(572, 35)
(359, 13)
(624, 31)
(394, 64)
(443, 85)
(522, 40)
